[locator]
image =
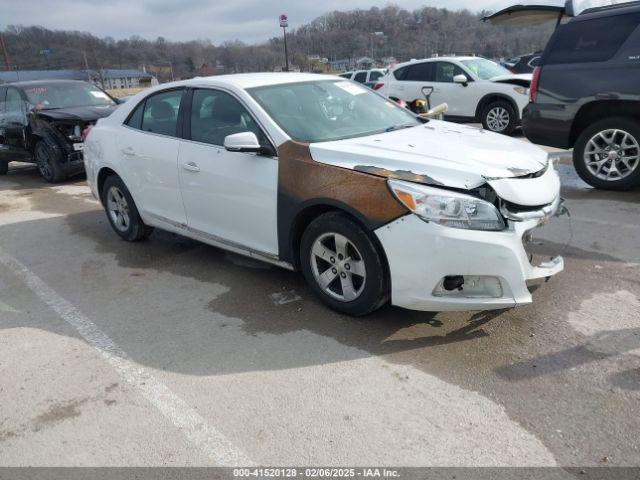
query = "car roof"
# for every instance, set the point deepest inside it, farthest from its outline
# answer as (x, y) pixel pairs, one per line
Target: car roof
(609, 10)
(251, 80)
(28, 83)
(434, 59)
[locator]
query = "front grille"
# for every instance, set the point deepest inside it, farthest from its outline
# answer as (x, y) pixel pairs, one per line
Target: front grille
(515, 208)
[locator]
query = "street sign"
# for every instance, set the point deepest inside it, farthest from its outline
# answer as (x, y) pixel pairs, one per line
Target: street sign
(284, 21)
(46, 52)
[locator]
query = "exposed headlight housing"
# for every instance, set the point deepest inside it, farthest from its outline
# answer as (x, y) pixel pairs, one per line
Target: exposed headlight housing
(447, 208)
(522, 90)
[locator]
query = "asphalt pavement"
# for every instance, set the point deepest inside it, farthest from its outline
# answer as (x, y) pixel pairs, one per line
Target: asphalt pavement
(170, 352)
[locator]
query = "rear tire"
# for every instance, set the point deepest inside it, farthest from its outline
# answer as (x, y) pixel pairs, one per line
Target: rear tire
(607, 154)
(4, 168)
(48, 162)
(343, 266)
(500, 117)
(122, 211)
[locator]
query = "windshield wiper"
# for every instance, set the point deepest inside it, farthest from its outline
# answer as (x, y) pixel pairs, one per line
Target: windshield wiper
(393, 128)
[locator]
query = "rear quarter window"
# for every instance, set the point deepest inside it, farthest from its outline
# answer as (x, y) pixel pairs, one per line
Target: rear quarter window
(401, 73)
(373, 76)
(596, 40)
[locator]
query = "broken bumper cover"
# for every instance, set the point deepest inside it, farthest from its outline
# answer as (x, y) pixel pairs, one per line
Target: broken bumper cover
(495, 265)
(74, 163)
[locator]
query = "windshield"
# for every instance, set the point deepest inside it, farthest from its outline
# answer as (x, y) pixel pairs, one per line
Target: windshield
(65, 95)
(485, 69)
(328, 110)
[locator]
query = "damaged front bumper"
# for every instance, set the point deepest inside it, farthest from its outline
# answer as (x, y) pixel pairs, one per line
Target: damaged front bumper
(427, 262)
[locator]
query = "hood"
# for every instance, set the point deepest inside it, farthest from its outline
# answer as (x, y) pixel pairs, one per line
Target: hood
(437, 153)
(522, 79)
(84, 114)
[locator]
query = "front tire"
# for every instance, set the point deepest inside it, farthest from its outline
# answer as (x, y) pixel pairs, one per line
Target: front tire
(48, 162)
(122, 211)
(607, 154)
(500, 117)
(343, 266)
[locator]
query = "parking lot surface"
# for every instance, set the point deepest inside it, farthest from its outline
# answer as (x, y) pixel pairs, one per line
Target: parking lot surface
(171, 352)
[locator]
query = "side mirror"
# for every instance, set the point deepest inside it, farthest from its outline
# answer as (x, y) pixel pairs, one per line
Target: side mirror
(461, 79)
(242, 142)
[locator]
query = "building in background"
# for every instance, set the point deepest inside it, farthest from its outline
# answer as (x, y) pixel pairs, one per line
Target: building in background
(342, 65)
(113, 79)
(205, 71)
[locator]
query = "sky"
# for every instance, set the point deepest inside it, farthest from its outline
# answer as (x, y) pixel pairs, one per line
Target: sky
(251, 21)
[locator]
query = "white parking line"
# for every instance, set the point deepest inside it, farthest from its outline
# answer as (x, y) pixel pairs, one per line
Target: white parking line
(209, 440)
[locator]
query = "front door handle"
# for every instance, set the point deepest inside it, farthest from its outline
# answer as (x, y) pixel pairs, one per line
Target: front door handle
(191, 167)
(129, 152)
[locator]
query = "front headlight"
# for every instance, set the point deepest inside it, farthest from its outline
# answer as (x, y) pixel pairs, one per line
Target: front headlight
(521, 90)
(450, 209)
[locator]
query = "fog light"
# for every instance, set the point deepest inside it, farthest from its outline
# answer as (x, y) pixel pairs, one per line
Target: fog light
(469, 286)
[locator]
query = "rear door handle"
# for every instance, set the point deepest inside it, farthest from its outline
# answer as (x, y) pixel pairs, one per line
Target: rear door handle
(191, 167)
(128, 151)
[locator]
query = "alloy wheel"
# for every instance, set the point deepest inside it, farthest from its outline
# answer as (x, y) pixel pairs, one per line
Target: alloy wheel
(498, 119)
(612, 155)
(118, 209)
(338, 267)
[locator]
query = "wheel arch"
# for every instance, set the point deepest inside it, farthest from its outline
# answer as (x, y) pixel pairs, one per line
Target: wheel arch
(103, 174)
(313, 209)
(599, 110)
(42, 135)
(495, 97)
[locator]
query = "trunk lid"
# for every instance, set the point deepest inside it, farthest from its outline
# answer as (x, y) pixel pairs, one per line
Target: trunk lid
(527, 15)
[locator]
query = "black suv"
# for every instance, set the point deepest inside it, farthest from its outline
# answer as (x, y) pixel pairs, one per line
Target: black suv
(585, 94)
(42, 122)
(523, 63)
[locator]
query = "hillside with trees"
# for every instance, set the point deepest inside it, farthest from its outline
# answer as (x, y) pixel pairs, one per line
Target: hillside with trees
(405, 34)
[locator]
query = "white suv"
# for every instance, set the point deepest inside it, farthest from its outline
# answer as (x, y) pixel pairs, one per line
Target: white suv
(476, 89)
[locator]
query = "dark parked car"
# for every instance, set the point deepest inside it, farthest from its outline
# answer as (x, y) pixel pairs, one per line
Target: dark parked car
(42, 122)
(523, 63)
(585, 94)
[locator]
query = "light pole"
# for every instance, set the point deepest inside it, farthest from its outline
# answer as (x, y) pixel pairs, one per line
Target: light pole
(372, 35)
(284, 23)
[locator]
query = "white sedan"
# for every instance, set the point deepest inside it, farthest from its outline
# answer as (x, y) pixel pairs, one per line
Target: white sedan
(322, 175)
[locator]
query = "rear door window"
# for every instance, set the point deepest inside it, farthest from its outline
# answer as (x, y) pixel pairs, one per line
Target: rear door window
(596, 40)
(161, 113)
(422, 72)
